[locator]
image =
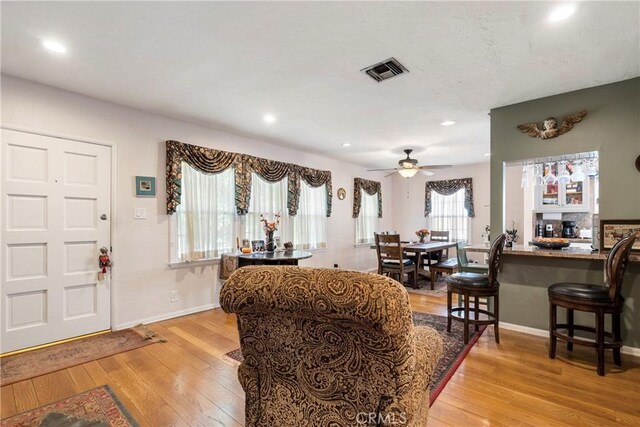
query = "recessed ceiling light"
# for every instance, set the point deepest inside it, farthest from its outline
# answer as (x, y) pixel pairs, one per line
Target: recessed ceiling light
(487, 154)
(269, 118)
(448, 123)
(562, 12)
(54, 46)
(346, 144)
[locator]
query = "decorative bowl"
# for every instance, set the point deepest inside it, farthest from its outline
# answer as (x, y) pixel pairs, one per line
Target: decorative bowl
(551, 243)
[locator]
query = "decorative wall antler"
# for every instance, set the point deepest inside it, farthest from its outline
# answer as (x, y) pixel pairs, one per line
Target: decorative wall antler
(549, 128)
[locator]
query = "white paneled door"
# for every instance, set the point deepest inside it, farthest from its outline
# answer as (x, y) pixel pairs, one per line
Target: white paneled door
(56, 215)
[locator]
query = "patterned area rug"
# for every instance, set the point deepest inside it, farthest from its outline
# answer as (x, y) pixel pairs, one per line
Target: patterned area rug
(34, 363)
(94, 408)
(425, 287)
(454, 349)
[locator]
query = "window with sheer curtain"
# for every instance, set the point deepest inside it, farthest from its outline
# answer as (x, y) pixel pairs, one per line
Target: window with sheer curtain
(268, 199)
(206, 225)
(367, 220)
(204, 221)
(310, 224)
(449, 213)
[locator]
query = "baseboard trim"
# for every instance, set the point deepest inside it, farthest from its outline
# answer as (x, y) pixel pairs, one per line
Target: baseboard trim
(165, 316)
(632, 351)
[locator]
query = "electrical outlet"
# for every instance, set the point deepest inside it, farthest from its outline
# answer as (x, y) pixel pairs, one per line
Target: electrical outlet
(174, 296)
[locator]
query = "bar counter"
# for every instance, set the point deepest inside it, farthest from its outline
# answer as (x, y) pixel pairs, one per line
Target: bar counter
(575, 251)
(528, 271)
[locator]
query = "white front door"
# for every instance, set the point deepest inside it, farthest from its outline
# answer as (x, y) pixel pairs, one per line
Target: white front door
(55, 217)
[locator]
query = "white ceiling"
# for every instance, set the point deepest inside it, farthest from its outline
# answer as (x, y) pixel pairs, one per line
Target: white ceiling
(226, 64)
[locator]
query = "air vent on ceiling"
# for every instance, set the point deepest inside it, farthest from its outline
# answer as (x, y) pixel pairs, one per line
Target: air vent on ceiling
(385, 70)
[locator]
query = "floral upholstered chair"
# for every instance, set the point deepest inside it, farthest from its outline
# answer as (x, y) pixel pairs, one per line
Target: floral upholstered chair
(327, 347)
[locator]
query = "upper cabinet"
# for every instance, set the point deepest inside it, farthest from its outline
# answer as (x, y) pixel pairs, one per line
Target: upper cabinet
(558, 192)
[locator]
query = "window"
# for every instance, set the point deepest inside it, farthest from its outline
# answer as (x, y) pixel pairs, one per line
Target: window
(307, 230)
(449, 213)
(310, 224)
(205, 224)
(268, 199)
(204, 220)
(367, 221)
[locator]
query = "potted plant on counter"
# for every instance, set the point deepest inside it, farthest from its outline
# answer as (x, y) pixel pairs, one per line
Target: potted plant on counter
(512, 236)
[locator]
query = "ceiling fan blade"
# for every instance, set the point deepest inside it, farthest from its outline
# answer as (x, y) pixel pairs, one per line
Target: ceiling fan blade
(388, 175)
(378, 170)
(435, 167)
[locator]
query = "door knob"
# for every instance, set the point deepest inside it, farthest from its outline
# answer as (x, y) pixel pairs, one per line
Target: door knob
(103, 217)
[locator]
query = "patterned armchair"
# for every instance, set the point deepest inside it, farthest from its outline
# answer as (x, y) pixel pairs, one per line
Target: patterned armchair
(327, 347)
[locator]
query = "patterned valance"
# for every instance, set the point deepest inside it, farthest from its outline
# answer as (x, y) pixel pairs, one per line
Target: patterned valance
(209, 160)
(371, 188)
(447, 188)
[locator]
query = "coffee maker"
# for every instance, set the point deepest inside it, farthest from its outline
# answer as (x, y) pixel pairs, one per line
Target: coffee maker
(568, 229)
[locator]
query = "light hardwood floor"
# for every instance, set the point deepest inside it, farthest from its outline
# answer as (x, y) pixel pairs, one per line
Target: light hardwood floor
(184, 382)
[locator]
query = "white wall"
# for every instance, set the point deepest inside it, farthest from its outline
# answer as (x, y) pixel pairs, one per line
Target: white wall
(141, 276)
(408, 199)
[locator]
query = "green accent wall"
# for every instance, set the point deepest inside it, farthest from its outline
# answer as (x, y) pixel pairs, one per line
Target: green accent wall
(611, 127)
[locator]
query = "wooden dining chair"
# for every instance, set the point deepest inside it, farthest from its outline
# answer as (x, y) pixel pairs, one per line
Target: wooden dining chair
(426, 260)
(440, 236)
(391, 259)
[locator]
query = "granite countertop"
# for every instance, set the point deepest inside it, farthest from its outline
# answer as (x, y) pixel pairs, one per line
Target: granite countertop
(573, 251)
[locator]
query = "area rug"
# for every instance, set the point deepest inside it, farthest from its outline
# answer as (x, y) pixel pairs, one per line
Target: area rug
(19, 367)
(453, 352)
(94, 408)
(425, 288)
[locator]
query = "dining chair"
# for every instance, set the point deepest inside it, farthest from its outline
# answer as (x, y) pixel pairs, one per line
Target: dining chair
(440, 236)
(391, 259)
(426, 260)
(463, 262)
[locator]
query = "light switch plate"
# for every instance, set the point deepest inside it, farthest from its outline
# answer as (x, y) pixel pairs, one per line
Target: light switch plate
(140, 213)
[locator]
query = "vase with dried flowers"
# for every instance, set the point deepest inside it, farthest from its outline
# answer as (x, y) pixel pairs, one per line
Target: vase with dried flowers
(512, 235)
(269, 228)
(486, 236)
(422, 234)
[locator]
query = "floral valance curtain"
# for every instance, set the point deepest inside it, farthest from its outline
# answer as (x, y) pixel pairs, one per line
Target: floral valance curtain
(371, 188)
(209, 160)
(447, 188)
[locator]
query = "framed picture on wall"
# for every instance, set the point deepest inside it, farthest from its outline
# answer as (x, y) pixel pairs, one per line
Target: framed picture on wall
(145, 186)
(612, 230)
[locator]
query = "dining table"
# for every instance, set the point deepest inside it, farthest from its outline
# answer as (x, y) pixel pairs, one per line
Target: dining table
(415, 249)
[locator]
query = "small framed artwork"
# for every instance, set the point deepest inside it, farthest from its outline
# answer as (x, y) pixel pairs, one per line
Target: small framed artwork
(612, 230)
(257, 245)
(145, 186)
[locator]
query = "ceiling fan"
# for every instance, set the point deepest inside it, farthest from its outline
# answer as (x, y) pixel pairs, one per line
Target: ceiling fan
(409, 167)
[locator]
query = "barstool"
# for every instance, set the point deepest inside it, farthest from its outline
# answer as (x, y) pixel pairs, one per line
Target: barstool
(598, 299)
(478, 286)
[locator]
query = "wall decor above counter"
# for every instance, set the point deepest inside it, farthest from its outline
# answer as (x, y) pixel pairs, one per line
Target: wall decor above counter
(549, 127)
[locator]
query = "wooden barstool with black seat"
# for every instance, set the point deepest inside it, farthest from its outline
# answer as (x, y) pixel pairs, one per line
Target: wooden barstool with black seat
(598, 299)
(476, 286)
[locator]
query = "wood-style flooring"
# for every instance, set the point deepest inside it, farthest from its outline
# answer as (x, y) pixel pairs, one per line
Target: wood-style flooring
(184, 382)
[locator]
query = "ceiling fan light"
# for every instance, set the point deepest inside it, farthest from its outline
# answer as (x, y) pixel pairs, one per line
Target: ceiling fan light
(408, 173)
